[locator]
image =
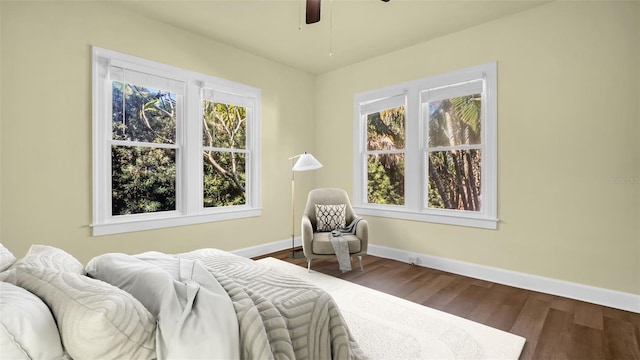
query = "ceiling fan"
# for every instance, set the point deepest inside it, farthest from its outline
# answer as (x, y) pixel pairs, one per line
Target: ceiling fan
(313, 11)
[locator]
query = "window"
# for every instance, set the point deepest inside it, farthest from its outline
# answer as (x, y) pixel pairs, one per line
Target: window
(385, 150)
(425, 150)
(170, 147)
(224, 143)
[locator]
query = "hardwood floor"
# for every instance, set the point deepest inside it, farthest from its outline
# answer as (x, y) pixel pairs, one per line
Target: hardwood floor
(555, 327)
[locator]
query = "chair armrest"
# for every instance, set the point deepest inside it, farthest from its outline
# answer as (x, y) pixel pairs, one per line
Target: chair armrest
(307, 235)
(362, 232)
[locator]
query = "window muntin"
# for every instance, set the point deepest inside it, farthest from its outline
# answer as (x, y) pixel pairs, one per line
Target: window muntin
(449, 160)
(149, 151)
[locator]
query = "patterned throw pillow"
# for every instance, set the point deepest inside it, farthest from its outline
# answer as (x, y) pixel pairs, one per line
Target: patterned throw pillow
(330, 217)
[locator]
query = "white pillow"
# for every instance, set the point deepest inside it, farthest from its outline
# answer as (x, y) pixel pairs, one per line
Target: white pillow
(96, 320)
(6, 258)
(330, 217)
(29, 330)
(8, 275)
(51, 258)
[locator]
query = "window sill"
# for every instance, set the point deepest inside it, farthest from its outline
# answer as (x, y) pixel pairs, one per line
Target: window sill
(467, 220)
(146, 223)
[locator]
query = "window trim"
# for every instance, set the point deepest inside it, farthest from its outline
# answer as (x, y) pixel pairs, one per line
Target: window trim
(415, 165)
(189, 197)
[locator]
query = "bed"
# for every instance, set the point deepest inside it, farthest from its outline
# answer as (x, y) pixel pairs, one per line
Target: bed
(204, 304)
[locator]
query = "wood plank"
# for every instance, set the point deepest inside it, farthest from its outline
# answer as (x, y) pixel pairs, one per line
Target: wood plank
(503, 317)
(588, 315)
(555, 337)
(422, 294)
(509, 307)
(621, 341)
(414, 280)
(563, 304)
(586, 343)
(444, 296)
(467, 300)
(529, 324)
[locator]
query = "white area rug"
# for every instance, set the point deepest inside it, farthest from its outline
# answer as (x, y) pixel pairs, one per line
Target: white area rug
(388, 327)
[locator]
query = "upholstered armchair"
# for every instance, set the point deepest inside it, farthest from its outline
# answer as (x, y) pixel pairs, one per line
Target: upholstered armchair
(316, 243)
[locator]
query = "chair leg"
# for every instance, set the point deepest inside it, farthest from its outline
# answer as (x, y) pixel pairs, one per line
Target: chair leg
(361, 268)
(308, 265)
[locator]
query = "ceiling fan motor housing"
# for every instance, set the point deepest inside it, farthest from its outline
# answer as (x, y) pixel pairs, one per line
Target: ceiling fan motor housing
(313, 11)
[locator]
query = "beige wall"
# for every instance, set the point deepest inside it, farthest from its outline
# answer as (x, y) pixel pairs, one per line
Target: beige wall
(46, 126)
(568, 124)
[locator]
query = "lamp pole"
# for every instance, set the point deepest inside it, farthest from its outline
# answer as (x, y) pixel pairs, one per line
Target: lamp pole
(293, 254)
(305, 162)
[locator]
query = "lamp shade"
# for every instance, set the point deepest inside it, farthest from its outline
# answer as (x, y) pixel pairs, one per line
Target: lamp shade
(306, 162)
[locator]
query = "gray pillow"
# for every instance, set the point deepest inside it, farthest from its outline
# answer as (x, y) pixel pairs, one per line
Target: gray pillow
(196, 318)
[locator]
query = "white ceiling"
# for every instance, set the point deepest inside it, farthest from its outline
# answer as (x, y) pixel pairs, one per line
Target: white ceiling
(352, 30)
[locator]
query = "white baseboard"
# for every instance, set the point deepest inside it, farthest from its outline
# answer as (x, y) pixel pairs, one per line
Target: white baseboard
(591, 294)
(267, 248)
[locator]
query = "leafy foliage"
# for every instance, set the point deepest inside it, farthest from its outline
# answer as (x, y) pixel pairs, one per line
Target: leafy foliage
(454, 157)
(143, 180)
(224, 132)
(454, 179)
(385, 179)
(385, 168)
(144, 175)
(454, 174)
(142, 114)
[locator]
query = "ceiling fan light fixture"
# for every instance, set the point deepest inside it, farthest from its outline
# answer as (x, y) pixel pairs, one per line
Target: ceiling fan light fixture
(313, 11)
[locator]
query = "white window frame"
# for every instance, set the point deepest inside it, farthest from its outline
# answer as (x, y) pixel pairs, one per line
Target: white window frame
(189, 167)
(416, 179)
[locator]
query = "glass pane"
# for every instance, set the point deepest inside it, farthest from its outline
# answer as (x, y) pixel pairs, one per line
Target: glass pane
(224, 125)
(455, 121)
(143, 180)
(224, 179)
(143, 114)
(385, 179)
(385, 129)
(454, 180)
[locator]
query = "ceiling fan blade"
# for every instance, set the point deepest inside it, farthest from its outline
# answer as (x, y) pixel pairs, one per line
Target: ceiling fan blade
(313, 11)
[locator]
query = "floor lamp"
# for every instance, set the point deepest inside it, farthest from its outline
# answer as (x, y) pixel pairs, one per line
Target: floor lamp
(305, 162)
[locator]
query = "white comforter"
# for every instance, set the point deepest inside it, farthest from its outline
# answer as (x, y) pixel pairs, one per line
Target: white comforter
(196, 318)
